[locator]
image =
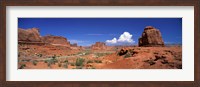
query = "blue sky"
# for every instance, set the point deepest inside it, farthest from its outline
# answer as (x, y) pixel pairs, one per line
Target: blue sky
(87, 31)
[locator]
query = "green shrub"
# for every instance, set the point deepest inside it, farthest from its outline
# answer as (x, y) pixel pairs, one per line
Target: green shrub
(53, 61)
(66, 61)
(34, 62)
(87, 53)
(127, 55)
(79, 61)
(22, 66)
(89, 61)
(98, 61)
(72, 64)
(25, 60)
(101, 54)
(54, 56)
(40, 55)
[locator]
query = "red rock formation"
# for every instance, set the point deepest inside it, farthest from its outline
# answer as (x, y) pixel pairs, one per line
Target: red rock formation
(74, 45)
(151, 37)
(99, 46)
(29, 35)
(55, 40)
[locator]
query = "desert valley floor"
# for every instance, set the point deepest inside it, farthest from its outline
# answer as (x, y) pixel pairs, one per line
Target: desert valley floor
(60, 57)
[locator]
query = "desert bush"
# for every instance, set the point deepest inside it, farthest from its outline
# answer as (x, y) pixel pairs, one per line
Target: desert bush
(34, 62)
(59, 64)
(65, 65)
(87, 52)
(66, 61)
(131, 50)
(72, 64)
(97, 61)
(45, 61)
(54, 56)
(89, 61)
(22, 66)
(127, 55)
(101, 54)
(25, 60)
(39, 55)
(53, 61)
(79, 61)
(151, 62)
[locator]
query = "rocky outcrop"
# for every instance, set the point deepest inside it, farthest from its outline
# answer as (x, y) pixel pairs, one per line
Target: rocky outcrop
(55, 40)
(29, 35)
(151, 37)
(32, 36)
(99, 46)
(74, 45)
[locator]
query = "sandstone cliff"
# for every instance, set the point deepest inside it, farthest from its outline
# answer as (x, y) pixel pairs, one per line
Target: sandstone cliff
(55, 40)
(29, 35)
(99, 46)
(32, 36)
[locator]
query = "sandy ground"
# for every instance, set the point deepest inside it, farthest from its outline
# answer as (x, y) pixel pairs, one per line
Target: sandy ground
(61, 57)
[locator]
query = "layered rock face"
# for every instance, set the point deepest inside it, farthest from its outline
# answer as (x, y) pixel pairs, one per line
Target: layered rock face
(56, 40)
(74, 45)
(151, 37)
(99, 46)
(29, 35)
(32, 36)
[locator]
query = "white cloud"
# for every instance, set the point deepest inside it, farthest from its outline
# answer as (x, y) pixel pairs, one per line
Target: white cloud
(125, 38)
(113, 41)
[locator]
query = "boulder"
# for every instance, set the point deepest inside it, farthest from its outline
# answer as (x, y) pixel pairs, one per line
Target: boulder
(151, 37)
(29, 35)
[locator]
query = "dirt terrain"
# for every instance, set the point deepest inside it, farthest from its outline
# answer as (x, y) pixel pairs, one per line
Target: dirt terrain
(61, 57)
